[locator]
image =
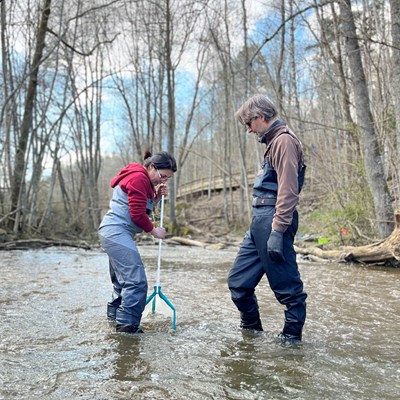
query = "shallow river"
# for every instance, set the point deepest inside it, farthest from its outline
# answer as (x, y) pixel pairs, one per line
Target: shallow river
(57, 344)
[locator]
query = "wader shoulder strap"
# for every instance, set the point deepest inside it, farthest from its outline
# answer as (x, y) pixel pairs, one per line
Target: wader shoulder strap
(285, 130)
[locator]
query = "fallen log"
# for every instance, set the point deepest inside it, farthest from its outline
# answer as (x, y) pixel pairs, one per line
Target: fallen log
(385, 252)
(197, 243)
(187, 242)
(27, 244)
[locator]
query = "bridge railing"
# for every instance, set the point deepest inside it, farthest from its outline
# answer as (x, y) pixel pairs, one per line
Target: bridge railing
(214, 184)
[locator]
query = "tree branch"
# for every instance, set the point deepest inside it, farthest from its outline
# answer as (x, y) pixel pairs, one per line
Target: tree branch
(281, 26)
(77, 51)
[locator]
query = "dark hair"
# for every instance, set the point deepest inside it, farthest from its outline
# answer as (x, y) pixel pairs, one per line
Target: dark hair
(161, 160)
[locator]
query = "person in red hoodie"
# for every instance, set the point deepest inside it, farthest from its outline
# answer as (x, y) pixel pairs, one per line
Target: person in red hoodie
(137, 188)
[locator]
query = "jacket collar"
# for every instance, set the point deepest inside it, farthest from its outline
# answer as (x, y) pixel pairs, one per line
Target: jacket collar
(272, 131)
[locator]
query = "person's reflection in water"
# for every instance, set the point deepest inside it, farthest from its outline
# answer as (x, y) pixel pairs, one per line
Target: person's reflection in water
(129, 365)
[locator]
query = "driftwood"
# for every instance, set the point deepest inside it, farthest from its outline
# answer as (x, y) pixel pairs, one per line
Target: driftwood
(26, 244)
(197, 243)
(384, 252)
(187, 242)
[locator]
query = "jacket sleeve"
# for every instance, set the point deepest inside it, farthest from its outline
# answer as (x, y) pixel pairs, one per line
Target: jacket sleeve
(285, 156)
(138, 190)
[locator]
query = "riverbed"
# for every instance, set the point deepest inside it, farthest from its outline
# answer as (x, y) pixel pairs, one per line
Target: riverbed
(57, 344)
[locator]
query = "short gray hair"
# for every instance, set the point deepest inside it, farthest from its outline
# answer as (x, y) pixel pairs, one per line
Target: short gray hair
(255, 106)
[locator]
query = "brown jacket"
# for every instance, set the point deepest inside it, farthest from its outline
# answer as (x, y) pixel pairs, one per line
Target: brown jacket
(284, 152)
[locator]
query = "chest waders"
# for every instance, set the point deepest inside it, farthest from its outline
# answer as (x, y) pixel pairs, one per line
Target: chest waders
(253, 262)
(128, 277)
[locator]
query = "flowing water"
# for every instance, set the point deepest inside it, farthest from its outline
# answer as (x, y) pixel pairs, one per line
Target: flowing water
(57, 344)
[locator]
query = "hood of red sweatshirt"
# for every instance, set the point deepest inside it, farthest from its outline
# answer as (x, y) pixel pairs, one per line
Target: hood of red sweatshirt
(130, 169)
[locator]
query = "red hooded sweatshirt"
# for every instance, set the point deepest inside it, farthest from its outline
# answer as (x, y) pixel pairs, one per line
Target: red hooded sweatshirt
(135, 181)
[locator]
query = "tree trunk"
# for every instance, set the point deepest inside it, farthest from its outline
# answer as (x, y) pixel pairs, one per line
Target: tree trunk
(372, 155)
(281, 60)
(171, 105)
(8, 105)
(242, 139)
(395, 14)
(19, 167)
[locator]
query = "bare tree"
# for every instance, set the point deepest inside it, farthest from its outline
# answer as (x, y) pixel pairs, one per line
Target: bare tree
(395, 81)
(372, 156)
(220, 31)
(7, 113)
(18, 177)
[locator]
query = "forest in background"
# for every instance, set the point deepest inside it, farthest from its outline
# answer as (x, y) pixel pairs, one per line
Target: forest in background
(87, 87)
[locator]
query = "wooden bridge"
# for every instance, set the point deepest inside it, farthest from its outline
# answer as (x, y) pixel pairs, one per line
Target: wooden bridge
(215, 184)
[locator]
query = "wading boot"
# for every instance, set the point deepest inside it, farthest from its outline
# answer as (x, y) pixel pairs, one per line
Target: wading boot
(128, 329)
(251, 321)
(288, 338)
(251, 328)
(291, 333)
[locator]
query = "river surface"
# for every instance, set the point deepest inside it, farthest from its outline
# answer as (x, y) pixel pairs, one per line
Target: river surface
(57, 344)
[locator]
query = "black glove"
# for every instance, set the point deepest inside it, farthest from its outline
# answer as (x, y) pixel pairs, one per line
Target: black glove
(275, 246)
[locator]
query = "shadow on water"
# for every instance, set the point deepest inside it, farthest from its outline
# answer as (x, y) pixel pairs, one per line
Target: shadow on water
(56, 343)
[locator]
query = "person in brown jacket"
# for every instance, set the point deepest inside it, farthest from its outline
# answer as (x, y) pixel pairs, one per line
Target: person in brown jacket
(267, 248)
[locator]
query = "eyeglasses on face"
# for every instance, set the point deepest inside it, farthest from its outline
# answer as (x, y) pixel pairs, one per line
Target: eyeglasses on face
(162, 176)
(249, 122)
